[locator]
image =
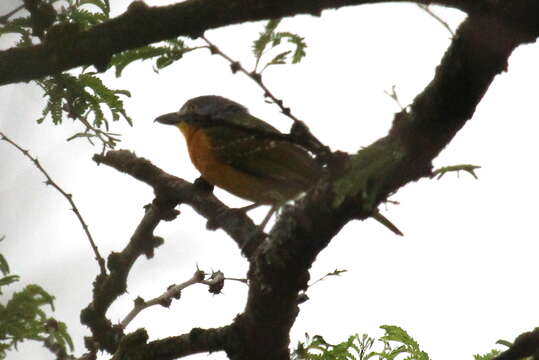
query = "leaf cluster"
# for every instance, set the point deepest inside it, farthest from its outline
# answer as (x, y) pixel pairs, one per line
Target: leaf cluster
(270, 39)
(317, 348)
(23, 316)
(488, 356)
(165, 54)
(83, 97)
(395, 343)
(84, 13)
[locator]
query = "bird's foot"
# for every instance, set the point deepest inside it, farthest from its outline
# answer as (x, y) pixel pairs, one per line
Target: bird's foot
(203, 185)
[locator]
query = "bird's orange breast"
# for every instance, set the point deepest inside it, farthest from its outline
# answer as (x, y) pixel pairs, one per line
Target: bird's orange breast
(218, 173)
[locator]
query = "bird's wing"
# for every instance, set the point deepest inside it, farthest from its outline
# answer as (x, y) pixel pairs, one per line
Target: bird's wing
(277, 160)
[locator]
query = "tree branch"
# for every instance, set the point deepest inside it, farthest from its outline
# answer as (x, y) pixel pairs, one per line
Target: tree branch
(279, 270)
(524, 346)
(215, 284)
(170, 189)
(108, 288)
(299, 133)
(427, 9)
(196, 341)
(141, 25)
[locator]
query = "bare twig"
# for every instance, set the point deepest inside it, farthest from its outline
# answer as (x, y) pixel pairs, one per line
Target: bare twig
(69, 198)
(427, 9)
(174, 292)
(336, 272)
(108, 140)
(393, 95)
(165, 299)
(469, 168)
(311, 143)
(253, 75)
(245, 281)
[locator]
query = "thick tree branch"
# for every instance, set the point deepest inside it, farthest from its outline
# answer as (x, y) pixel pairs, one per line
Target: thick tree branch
(173, 190)
(197, 341)
(279, 270)
(142, 25)
(169, 192)
(525, 345)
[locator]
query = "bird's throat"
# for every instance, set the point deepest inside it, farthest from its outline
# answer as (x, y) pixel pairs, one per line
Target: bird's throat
(187, 130)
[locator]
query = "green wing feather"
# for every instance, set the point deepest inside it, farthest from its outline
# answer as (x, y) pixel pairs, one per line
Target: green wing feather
(289, 166)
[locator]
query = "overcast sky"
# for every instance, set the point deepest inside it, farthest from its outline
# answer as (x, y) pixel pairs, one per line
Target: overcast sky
(462, 277)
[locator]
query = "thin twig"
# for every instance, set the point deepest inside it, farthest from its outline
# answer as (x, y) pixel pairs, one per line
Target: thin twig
(4, 18)
(427, 9)
(335, 272)
(312, 143)
(110, 141)
(165, 299)
(253, 75)
(245, 281)
(69, 197)
(107, 139)
(393, 95)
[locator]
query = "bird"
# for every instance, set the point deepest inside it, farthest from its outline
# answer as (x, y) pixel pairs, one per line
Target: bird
(241, 153)
(246, 156)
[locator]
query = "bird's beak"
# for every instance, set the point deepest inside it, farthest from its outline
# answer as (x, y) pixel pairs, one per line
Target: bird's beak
(169, 119)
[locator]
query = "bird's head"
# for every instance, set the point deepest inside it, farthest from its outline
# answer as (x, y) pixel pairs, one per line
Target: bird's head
(202, 111)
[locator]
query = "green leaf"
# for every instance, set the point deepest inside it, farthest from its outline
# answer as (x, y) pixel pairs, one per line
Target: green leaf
(20, 25)
(409, 345)
(318, 348)
(299, 42)
(167, 54)
(4, 266)
(84, 97)
(488, 356)
(264, 38)
(270, 38)
(121, 60)
(279, 58)
(62, 337)
(9, 279)
(87, 19)
(23, 318)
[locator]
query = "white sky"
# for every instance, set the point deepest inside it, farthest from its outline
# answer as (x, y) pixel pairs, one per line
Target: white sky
(462, 277)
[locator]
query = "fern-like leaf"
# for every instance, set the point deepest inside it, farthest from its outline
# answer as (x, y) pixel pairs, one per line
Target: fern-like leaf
(166, 54)
(270, 39)
(264, 38)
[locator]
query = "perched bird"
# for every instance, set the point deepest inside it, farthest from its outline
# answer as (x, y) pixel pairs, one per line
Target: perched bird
(235, 151)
